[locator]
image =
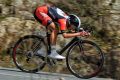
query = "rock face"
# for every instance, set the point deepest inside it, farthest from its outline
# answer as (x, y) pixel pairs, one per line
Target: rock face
(113, 21)
(16, 20)
(12, 28)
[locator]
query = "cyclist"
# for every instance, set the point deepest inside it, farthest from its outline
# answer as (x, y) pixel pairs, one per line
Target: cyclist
(47, 15)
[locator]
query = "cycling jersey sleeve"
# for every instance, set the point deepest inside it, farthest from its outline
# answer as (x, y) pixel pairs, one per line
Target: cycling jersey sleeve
(62, 23)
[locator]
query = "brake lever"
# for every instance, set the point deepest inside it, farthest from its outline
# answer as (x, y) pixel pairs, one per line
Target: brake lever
(89, 30)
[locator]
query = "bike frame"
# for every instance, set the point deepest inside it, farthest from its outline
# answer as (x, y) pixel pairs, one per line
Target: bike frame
(64, 48)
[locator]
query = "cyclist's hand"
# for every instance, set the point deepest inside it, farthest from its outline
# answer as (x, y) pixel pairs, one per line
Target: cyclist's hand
(84, 33)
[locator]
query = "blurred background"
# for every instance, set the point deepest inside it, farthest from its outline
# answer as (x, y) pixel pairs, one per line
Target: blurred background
(16, 20)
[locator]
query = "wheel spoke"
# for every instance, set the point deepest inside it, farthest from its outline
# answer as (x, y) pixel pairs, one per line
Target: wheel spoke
(36, 46)
(24, 51)
(30, 44)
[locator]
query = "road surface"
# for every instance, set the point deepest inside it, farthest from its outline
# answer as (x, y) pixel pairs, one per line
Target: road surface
(15, 74)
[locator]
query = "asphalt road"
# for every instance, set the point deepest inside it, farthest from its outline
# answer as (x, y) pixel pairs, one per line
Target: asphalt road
(15, 74)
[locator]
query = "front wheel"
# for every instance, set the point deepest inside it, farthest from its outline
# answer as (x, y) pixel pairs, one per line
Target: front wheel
(25, 53)
(84, 59)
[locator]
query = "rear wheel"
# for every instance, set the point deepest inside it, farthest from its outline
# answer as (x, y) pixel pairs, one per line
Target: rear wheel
(25, 54)
(85, 59)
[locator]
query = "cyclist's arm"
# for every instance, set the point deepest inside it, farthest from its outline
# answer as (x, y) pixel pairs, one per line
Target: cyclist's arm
(69, 35)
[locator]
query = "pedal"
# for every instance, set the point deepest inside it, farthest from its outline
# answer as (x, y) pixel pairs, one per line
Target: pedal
(51, 62)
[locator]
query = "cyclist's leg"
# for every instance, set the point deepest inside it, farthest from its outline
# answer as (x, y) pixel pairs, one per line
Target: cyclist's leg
(51, 26)
(54, 32)
(41, 15)
(47, 21)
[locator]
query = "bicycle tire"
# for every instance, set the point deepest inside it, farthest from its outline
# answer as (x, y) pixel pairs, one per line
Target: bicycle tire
(22, 60)
(85, 59)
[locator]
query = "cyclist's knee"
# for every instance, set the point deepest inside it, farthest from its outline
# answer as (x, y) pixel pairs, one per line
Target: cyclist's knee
(49, 22)
(52, 27)
(53, 30)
